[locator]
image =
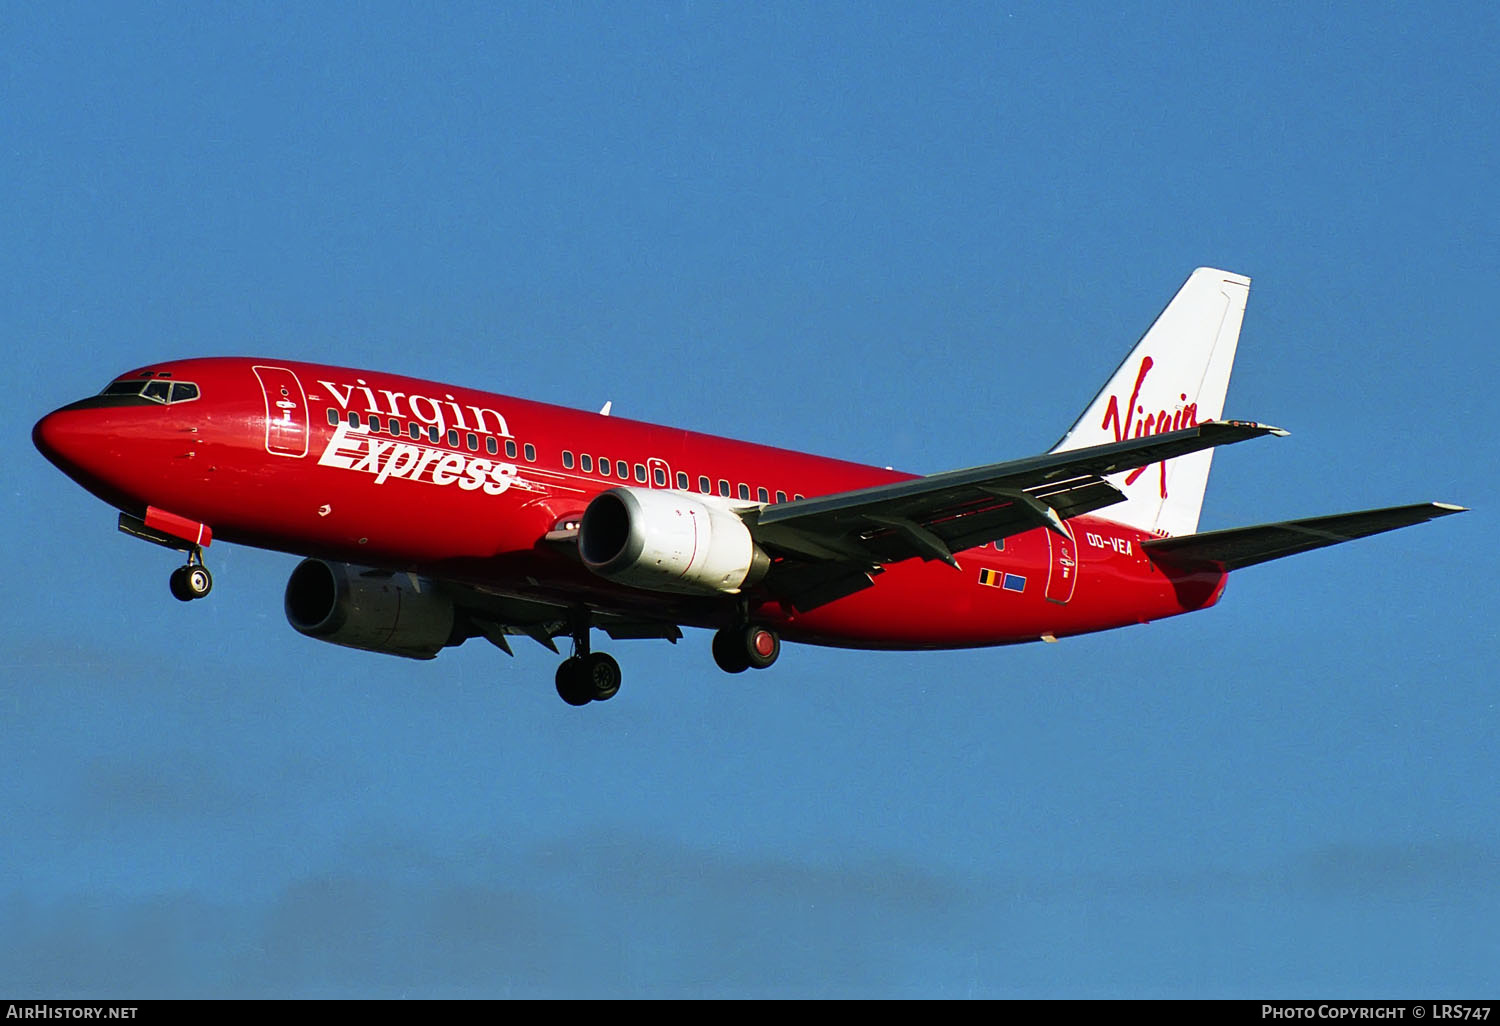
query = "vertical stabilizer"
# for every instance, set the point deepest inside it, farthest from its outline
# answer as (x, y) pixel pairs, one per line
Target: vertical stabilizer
(1176, 376)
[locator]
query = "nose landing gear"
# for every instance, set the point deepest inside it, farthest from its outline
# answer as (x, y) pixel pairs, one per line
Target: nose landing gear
(192, 581)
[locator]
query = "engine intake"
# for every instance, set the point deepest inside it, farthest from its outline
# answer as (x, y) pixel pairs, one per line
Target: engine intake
(376, 610)
(665, 540)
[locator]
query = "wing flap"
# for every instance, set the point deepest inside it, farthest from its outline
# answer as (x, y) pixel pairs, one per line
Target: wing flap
(1245, 546)
(805, 586)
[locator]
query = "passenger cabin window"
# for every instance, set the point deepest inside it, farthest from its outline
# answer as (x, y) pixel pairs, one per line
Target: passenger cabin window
(567, 459)
(780, 495)
(724, 488)
(333, 416)
(473, 442)
(453, 437)
(353, 418)
(623, 469)
(763, 495)
(744, 491)
(682, 481)
(640, 473)
(434, 435)
(586, 463)
(530, 453)
(491, 446)
(603, 466)
(704, 486)
(415, 430)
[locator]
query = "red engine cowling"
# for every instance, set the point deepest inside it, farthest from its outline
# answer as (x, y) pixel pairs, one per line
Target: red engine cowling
(669, 541)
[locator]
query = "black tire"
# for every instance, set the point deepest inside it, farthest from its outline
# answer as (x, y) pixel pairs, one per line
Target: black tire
(573, 686)
(602, 674)
(761, 646)
(178, 583)
(730, 651)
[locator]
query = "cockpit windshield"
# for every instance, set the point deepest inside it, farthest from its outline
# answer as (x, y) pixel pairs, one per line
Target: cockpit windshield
(156, 389)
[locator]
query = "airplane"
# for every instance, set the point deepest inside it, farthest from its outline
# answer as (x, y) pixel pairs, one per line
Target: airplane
(428, 514)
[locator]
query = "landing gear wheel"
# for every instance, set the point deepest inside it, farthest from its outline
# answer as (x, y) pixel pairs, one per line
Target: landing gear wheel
(199, 581)
(731, 656)
(602, 674)
(737, 649)
(762, 646)
(190, 582)
(573, 686)
(586, 676)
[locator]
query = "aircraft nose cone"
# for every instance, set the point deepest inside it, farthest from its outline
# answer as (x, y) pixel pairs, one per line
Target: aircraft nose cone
(78, 442)
(59, 436)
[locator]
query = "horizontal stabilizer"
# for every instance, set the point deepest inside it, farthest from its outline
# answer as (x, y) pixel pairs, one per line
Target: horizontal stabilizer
(1245, 546)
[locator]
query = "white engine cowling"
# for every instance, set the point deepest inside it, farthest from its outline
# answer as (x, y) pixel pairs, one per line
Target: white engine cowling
(376, 610)
(668, 541)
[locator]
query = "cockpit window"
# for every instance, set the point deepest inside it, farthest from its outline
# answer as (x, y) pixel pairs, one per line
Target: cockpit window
(156, 390)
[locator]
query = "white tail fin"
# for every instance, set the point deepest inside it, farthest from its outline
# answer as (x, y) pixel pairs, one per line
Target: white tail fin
(1176, 376)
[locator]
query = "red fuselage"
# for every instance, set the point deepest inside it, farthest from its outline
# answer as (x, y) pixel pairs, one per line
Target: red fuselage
(455, 484)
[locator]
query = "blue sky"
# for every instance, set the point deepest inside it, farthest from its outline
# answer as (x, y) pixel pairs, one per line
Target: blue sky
(884, 233)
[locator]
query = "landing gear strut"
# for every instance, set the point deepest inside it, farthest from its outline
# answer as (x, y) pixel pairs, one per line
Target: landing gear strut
(192, 581)
(586, 676)
(747, 647)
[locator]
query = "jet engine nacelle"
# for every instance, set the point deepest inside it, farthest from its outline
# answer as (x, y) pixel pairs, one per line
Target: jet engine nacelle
(376, 610)
(668, 541)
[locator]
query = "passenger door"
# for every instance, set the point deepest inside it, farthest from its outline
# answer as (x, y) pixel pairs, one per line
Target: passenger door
(286, 411)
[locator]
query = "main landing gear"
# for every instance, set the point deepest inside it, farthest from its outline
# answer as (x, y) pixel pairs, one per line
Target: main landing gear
(586, 676)
(746, 647)
(192, 581)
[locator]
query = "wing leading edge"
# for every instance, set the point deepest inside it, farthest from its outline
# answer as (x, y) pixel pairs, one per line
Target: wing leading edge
(1245, 546)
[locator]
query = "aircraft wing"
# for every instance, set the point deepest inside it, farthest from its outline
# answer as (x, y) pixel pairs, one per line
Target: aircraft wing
(1245, 546)
(835, 541)
(497, 617)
